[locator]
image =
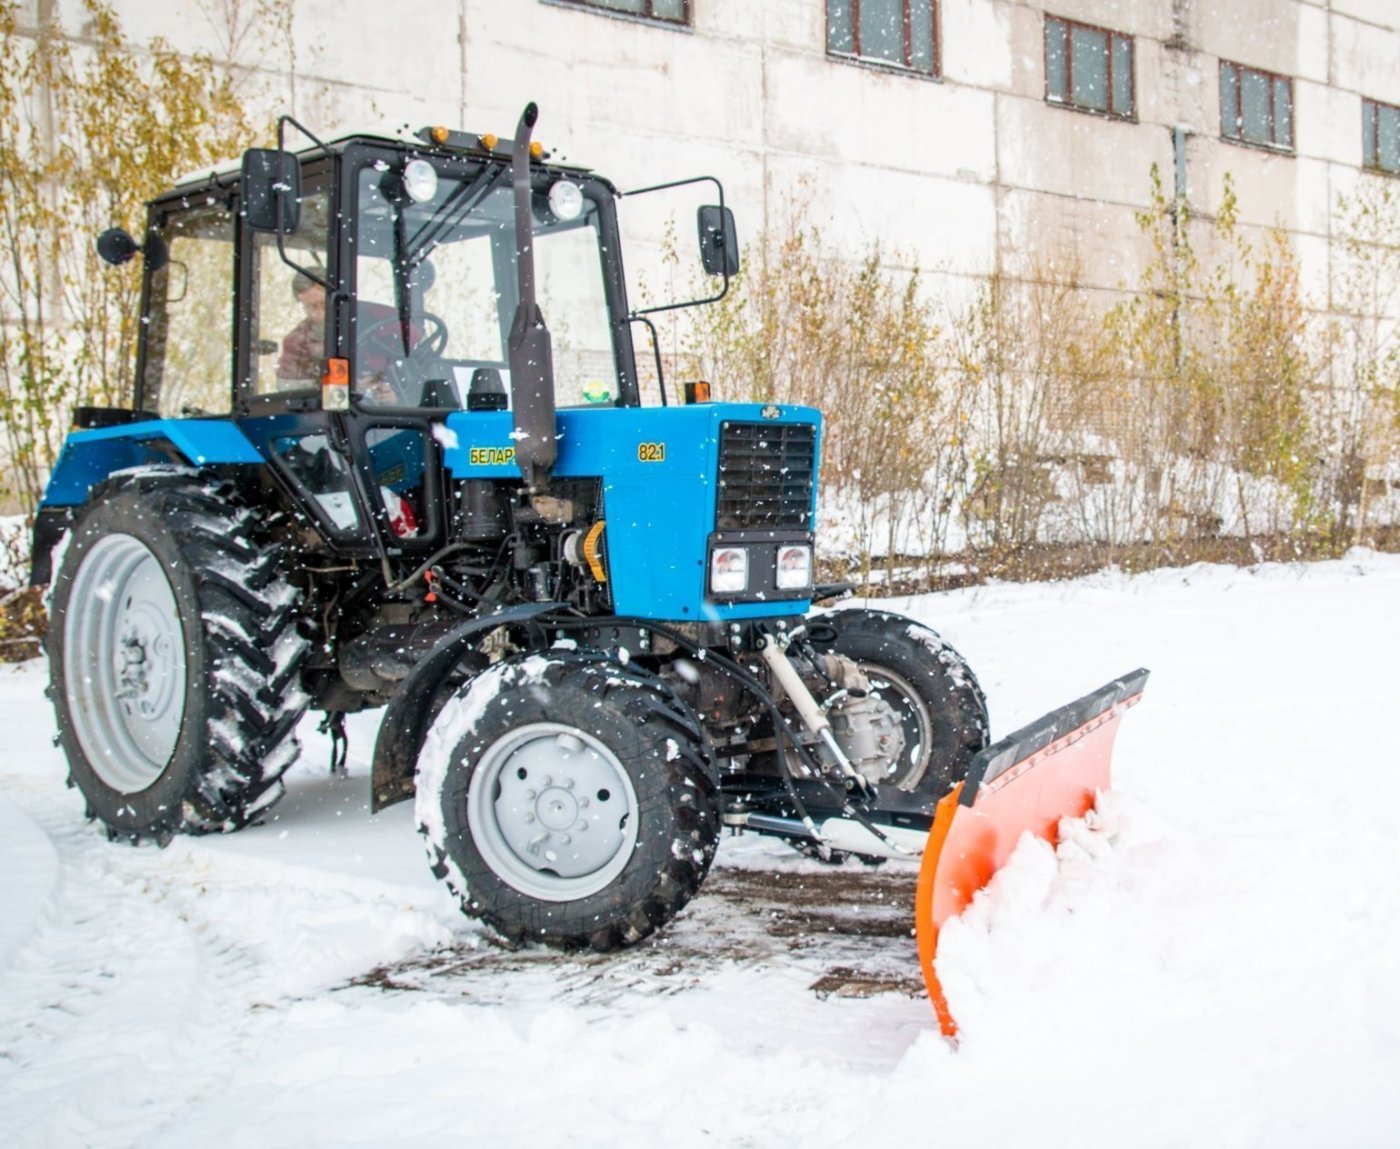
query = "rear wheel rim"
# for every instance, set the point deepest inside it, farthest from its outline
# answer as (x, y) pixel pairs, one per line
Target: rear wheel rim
(552, 812)
(124, 663)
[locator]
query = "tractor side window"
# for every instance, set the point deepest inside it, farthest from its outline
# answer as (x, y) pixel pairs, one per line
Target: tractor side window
(323, 471)
(399, 459)
(289, 307)
(188, 365)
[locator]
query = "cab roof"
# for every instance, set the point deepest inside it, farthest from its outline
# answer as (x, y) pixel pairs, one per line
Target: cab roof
(432, 140)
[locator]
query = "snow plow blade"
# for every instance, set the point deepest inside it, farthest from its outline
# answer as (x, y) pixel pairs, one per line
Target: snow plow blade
(1028, 781)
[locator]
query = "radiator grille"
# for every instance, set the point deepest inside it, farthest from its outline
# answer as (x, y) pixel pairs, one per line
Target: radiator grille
(766, 471)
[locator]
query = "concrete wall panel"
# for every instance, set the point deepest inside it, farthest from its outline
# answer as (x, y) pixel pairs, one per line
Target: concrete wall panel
(985, 45)
(1098, 244)
(1381, 13)
(1259, 33)
(1314, 45)
(1076, 154)
(1367, 61)
(941, 224)
(1313, 253)
(1328, 124)
(853, 114)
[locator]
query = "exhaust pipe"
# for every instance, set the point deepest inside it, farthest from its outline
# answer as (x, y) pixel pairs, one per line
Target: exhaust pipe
(528, 349)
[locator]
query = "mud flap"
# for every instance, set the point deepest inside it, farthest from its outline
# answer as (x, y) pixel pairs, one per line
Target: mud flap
(1028, 781)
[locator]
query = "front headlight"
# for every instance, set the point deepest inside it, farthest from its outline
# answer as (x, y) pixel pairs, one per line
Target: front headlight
(794, 567)
(729, 570)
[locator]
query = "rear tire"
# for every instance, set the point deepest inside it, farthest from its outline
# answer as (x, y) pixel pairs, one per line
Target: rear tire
(939, 703)
(174, 658)
(568, 800)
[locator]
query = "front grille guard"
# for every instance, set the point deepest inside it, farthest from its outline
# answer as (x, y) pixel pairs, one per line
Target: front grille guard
(766, 476)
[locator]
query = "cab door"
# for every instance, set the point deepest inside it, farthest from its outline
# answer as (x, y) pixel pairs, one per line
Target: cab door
(369, 482)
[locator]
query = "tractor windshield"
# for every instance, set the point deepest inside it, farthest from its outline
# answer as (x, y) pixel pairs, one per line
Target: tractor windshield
(436, 288)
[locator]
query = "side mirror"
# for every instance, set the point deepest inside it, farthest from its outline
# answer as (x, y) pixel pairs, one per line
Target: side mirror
(115, 246)
(719, 242)
(270, 190)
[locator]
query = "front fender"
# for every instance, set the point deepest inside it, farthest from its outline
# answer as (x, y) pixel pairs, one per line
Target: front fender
(411, 710)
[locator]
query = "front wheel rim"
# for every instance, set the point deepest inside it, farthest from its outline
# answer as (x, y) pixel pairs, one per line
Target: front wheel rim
(124, 663)
(899, 695)
(553, 812)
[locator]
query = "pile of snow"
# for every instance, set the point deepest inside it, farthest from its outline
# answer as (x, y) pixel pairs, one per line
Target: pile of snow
(1209, 961)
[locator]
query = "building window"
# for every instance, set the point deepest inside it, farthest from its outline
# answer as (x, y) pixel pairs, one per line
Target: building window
(1089, 68)
(899, 32)
(671, 11)
(1256, 107)
(1380, 137)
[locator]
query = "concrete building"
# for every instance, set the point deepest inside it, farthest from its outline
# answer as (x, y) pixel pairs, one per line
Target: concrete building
(970, 134)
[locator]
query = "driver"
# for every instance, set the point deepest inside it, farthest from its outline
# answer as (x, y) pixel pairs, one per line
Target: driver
(381, 362)
(302, 361)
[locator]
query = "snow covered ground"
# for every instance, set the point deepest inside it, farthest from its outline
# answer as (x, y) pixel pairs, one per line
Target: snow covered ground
(1216, 963)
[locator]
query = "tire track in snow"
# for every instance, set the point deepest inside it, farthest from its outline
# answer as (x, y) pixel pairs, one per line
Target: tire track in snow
(150, 975)
(121, 987)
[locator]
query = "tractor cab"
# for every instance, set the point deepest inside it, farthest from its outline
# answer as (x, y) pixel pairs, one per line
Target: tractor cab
(376, 280)
(400, 282)
(386, 264)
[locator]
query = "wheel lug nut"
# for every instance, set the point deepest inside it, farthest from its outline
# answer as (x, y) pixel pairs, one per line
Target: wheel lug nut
(564, 839)
(529, 817)
(548, 781)
(530, 795)
(568, 783)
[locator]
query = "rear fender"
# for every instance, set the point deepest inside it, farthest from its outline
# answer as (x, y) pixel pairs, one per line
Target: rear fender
(89, 457)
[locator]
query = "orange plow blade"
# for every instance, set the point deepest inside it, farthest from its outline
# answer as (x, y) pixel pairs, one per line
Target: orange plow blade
(1049, 770)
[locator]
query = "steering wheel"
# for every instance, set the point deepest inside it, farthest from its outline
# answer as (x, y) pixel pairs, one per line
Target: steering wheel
(428, 333)
(383, 339)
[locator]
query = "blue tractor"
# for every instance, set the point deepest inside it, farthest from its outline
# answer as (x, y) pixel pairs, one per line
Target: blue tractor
(369, 475)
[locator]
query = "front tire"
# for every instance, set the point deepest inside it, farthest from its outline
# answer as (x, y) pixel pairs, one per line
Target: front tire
(174, 658)
(935, 696)
(568, 800)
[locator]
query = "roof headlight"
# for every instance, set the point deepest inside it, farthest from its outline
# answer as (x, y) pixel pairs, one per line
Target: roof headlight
(420, 180)
(566, 200)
